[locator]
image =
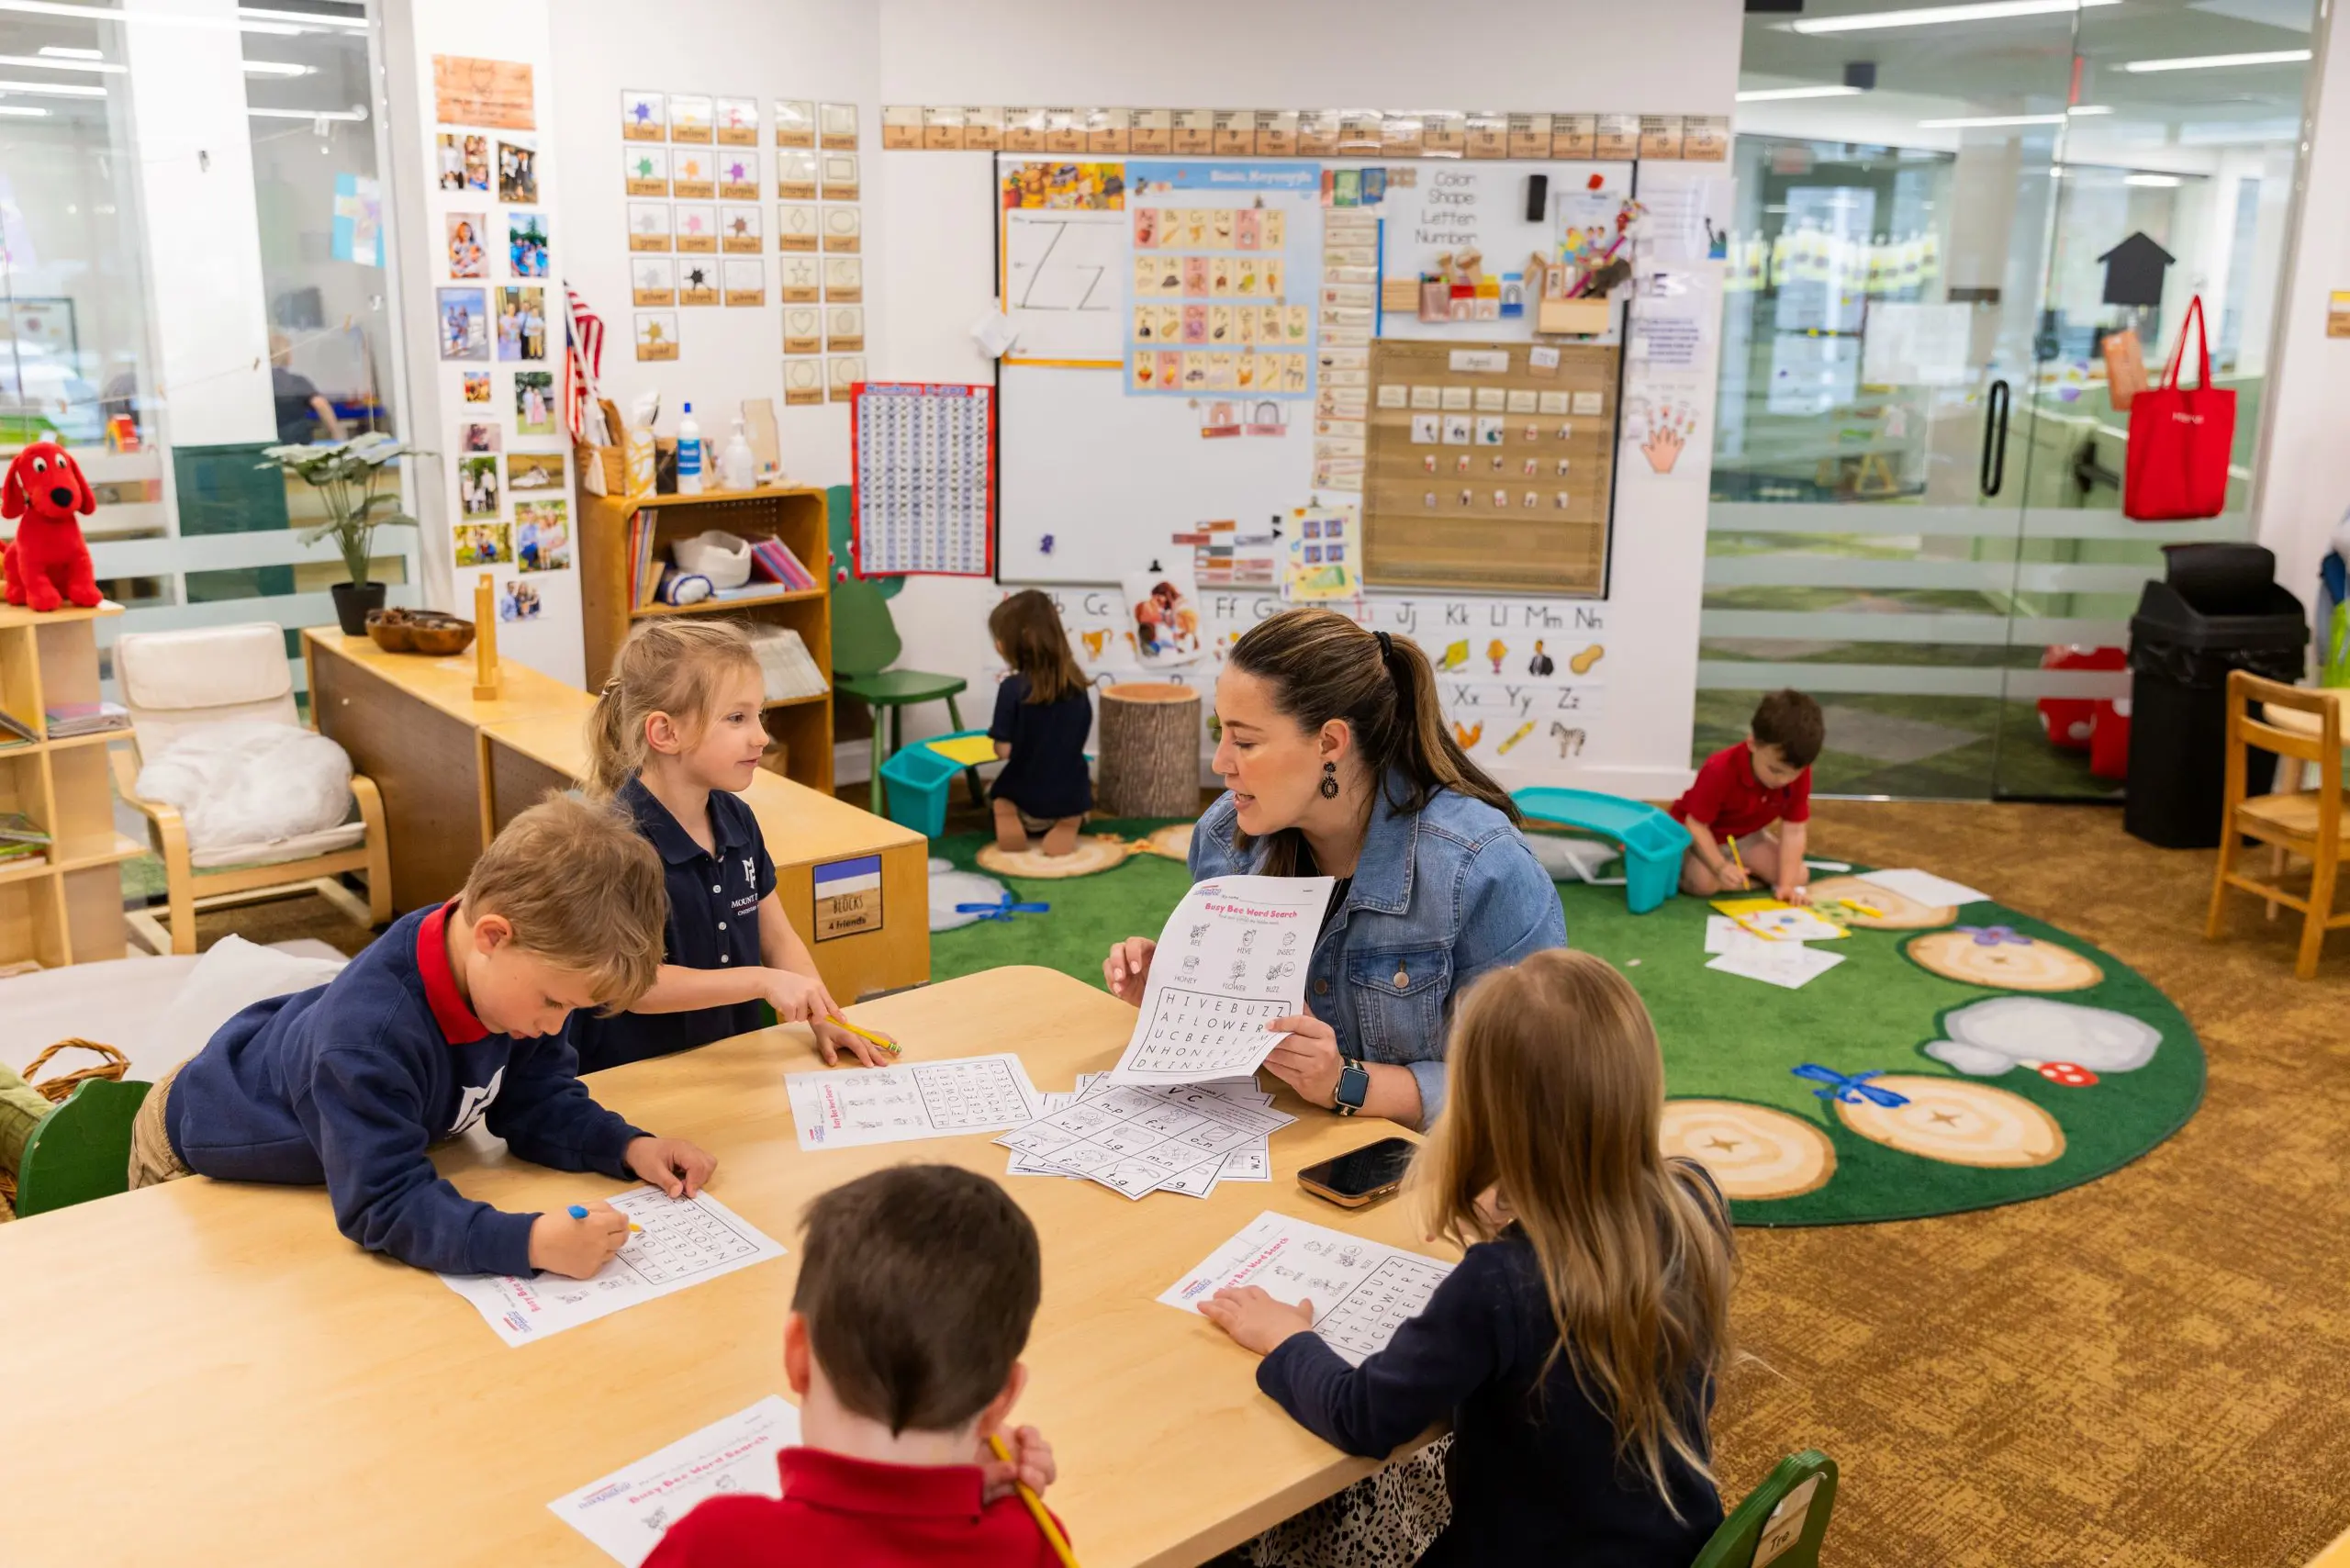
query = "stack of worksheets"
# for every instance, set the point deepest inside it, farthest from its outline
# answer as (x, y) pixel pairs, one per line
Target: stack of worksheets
(1177, 1137)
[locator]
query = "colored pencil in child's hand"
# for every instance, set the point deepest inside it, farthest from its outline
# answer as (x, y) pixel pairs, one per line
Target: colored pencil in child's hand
(579, 1211)
(840, 1023)
(1735, 857)
(1058, 1541)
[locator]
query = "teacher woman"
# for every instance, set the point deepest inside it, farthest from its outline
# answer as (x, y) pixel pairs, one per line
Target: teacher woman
(1338, 763)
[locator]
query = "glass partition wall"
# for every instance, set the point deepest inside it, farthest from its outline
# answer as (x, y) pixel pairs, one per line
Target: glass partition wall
(1917, 469)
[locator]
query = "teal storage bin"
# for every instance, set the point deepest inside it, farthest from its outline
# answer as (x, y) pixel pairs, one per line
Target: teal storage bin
(1653, 843)
(917, 778)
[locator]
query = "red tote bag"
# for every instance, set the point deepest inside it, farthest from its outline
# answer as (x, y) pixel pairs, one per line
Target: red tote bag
(2179, 439)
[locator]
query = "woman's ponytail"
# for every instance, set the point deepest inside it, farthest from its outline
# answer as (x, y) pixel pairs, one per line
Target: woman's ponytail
(1425, 750)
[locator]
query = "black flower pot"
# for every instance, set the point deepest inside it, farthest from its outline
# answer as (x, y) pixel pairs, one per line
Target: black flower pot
(352, 603)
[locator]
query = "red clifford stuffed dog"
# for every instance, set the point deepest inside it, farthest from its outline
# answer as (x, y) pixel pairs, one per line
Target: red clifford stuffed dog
(48, 564)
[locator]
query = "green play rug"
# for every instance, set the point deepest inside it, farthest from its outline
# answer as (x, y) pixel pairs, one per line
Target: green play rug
(1790, 1096)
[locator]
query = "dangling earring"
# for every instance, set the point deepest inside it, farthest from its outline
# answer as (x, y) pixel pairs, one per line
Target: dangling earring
(1329, 780)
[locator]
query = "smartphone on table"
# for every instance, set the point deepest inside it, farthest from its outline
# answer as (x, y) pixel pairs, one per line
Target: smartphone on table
(1360, 1176)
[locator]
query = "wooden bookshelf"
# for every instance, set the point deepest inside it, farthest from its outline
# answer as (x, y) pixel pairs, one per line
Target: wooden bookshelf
(798, 517)
(68, 911)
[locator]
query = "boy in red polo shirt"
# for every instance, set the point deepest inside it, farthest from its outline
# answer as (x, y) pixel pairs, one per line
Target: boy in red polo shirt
(917, 1287)
(1741, 790)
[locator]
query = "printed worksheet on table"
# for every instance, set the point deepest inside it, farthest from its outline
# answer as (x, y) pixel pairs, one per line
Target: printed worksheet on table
(681, 1242)
(1231, 960)
(627, 1512)
(1362, 1291)
(847, 1107)
(1134, 1140)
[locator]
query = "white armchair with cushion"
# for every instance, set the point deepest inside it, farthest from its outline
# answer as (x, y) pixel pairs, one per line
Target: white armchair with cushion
(184, 686)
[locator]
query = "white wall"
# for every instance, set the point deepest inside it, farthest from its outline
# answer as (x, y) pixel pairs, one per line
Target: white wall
(2306, 465)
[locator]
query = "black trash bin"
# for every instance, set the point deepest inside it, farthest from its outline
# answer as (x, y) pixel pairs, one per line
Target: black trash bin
(2219, 610)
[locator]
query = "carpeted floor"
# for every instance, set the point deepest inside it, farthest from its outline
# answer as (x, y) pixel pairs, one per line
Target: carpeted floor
(2146, 1370)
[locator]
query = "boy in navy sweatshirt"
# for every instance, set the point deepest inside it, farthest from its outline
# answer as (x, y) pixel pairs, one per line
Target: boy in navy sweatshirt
(454, 1015)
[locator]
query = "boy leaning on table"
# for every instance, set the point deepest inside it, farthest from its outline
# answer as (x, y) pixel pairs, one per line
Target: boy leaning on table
(917, 1287)
(456, 1014)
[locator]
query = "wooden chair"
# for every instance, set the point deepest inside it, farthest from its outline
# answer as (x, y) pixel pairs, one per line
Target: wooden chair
(1782, 1522)
(2304, 822)
(174, 682)
(81, 1151)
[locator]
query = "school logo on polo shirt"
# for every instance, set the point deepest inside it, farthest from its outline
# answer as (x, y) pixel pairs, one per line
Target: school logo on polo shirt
(848, 897)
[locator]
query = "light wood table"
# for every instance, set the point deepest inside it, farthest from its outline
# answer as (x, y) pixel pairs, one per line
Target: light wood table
(863, 942)
(217, 1376)
(453, 771)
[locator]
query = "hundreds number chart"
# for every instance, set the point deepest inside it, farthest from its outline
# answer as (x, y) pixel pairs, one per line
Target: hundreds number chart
(844, 1107)
(1231, 960)
(677, 1243)
(1361, 1290)
(924, 458)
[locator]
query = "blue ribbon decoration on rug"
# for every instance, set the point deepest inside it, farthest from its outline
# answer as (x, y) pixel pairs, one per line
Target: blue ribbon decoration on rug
(1851, 1087)
(1002, 910)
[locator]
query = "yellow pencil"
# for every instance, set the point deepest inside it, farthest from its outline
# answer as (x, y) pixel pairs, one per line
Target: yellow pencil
(1035, 1505)
(890, 1045)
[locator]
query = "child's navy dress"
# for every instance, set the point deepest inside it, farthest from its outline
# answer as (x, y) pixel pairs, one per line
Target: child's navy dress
(1045, 776)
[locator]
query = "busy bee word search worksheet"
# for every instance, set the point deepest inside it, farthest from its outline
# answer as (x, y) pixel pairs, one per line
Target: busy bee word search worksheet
(842, 1108)
(1361, 1290)
(1231, 960)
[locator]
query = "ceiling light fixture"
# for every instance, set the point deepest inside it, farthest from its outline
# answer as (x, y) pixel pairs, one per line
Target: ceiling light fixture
(353, 113)
(52, 90)
(279, 68)
(1973, 121)
(62, 51)
(313, 19)
(2217, 62)
(1774, 95)
(37, 63)
(2078, 110)
(27, 110)
(1940, 15)
(2156, 182)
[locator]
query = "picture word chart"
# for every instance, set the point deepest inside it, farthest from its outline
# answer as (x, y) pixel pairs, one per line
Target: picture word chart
(679, 1242)
(1134, 1140)
(1231, 960)
(846, 1108)
(922, 454)
(627, 1512)
(1362, 1291)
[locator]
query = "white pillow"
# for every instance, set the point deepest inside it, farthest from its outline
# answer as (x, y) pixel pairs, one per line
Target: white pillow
(232, 975)
(250, 781)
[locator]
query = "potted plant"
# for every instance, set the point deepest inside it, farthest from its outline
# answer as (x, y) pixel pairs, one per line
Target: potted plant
(347, 474)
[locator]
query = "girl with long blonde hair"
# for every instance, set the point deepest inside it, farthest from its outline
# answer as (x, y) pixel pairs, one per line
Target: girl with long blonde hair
(675, 740)
(1577, 1347)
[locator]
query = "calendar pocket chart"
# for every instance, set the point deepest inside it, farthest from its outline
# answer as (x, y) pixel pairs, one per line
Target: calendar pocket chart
(1135, 1140)
(1231, 960)
(1362, 1291)
(845, 1108)
(681, 1242)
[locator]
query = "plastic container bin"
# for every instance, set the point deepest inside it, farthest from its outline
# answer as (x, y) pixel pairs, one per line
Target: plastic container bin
(1653, 843)
(916, 781)
(2180, 653)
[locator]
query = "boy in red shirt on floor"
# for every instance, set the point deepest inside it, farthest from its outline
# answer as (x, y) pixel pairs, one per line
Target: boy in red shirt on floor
(917, 1287)
(1741, 790)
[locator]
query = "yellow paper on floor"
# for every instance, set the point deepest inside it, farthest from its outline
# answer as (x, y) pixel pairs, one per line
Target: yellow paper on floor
(1774, 920)
(968, 750)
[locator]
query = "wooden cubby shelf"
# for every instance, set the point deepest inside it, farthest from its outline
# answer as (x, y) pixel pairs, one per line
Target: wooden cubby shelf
(69, 909)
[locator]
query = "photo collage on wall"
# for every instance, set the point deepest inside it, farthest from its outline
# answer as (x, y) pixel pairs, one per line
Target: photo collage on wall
(697, 171)
(500, 326)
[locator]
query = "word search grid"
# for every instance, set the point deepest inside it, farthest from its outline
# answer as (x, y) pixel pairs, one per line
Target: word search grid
(1133, 1140)
(922, 454)
(842, 1108)
(1199, 1035)
(1231, 958)
(1362, 1291)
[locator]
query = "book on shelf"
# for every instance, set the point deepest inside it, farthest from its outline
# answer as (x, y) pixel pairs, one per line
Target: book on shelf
(784, 663)
(644, 577)
(775, 562)
(15, 731)
(18, 828)
(67, 720)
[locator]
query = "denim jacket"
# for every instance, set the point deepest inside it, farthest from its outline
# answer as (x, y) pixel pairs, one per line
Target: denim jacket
(1439, 896)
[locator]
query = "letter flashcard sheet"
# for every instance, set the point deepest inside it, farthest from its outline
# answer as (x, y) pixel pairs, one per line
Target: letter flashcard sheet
(627, 1512)
(683, 1242)
(1135, 1140)
(846, 1108)
(1231, 960)
(1361, 1290)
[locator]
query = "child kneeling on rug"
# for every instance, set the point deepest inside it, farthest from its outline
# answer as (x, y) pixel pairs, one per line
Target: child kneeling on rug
(1741, 790)
(917, 1287)
(1043, 714)
(1576, 1348)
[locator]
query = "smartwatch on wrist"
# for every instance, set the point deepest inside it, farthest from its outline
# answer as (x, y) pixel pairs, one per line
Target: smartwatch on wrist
(1354, 1084)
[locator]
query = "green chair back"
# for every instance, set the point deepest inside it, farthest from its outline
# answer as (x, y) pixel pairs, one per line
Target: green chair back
(865, 636)
(1782, 1522)
(82, 1149)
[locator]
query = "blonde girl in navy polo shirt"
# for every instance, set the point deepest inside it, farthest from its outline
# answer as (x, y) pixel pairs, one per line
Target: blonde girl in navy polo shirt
(676, 738)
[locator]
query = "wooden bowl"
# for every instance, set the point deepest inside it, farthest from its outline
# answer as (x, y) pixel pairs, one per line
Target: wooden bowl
(442, 635)
(392, 636)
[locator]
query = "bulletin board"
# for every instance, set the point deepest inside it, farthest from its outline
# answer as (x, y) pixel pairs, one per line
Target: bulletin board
(1103, 463)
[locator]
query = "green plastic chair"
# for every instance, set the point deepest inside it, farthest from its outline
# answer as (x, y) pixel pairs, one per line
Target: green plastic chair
(1782, 1522)
(865, 644)
(81, 1151)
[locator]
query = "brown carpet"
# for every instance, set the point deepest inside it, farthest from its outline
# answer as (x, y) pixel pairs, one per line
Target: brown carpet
(2147, 1371)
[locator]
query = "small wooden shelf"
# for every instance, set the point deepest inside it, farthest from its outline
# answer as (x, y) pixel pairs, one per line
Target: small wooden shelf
(728, 606)
(67, 910)
(799, 518)
(795, 701)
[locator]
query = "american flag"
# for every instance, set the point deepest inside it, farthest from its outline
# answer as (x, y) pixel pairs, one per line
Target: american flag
(583, 362)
